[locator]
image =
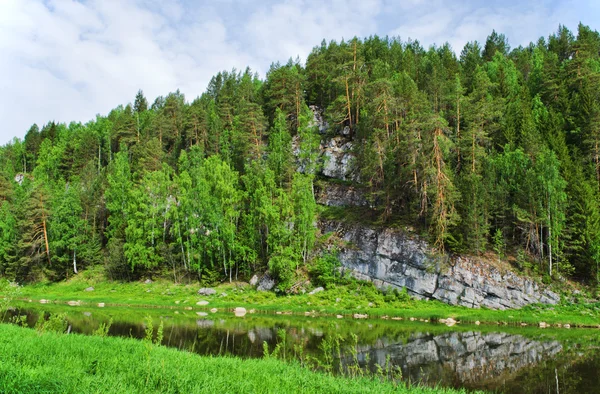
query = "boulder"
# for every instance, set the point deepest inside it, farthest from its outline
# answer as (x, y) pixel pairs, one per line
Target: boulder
(317, 290)
(254, 280)
(266, 283)
(148, 281)
(239, 311)
(207, 291)
(89, 289)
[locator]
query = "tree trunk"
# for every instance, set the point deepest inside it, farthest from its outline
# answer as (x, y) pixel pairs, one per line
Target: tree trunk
(549, 242)
(348, 103)
(74, 260)
(45, 231)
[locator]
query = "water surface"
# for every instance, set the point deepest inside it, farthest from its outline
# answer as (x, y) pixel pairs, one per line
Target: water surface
(514, 360)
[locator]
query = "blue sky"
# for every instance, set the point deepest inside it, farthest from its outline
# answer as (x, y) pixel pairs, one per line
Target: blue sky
(69, 60)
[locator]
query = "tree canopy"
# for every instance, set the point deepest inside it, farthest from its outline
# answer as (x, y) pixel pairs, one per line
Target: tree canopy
(497, 146)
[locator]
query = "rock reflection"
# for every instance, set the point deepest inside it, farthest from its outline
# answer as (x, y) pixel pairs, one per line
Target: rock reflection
(461, 358)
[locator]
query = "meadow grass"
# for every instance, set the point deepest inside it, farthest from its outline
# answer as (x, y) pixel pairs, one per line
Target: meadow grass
(348, 299)
(31, 362)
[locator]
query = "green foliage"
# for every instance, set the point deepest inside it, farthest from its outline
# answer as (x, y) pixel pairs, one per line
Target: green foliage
(499, 244)
(9, 292)
(54, 323)
(324, 270)
(79, 364)
(103, 329)
(282, 264)
(223, 186)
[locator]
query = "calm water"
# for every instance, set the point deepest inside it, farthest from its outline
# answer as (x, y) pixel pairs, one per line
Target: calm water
(514, 361)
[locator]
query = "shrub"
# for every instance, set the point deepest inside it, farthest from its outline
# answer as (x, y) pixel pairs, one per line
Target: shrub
(324, 270)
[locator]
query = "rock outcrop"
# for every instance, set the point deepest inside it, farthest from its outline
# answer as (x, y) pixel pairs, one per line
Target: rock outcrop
(338, 159)
(318, 119)
(397, 259)
(338, 195)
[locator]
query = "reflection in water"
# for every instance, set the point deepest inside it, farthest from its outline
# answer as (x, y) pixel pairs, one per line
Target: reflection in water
(462, 359)
(494, 361)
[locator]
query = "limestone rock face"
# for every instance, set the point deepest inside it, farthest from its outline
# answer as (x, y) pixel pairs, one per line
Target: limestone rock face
(337, 195)
(318, 119)
(338, 159)
(394, 258)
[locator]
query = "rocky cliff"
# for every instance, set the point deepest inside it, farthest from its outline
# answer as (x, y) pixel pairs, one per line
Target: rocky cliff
(397, 259)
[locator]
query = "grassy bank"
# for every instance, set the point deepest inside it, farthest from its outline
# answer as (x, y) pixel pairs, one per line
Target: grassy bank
(49, 363)
(344, 300)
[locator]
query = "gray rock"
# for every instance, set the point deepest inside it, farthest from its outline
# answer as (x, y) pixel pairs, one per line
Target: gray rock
(338, 159)
(89, 289)
(555, 298)
(318, 119)
(393, 258)
(148, 281)
(266, 283)
(338, 195)
(317, 290)
(254, 280)
(447, 296)
(207, 291)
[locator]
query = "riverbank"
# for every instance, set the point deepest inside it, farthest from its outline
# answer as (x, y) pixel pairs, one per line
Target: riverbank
(357, 300)
(50, 362)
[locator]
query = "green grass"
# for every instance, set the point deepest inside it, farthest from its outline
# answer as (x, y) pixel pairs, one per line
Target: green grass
(344, 300)
(57, 363)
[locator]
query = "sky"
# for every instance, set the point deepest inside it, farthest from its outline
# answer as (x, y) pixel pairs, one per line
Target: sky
(68, 60)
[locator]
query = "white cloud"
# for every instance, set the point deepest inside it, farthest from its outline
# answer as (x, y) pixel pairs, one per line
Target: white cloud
(69, 60)
(292, 28)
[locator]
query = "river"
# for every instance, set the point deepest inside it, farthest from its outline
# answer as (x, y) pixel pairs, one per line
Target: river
(491, 358)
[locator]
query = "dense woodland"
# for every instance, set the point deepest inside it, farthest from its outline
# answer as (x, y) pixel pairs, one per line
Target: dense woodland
(494, 149)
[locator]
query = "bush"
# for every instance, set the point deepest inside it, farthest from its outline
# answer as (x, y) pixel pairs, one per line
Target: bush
(324, 270)
(55, 323)
(282, 265)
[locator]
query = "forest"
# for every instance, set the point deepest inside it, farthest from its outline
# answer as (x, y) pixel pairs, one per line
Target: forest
(493, 149)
